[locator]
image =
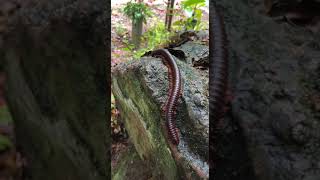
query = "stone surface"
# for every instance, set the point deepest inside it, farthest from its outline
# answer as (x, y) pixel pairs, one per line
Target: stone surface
(275, 79)
(141, 87)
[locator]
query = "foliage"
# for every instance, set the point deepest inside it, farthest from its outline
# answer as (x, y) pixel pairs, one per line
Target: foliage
(113, 102)
(137, 11)
(154, 37)
(5, 143)
(194, 22)
(190, 5)
(5, 118)
(120, 30)
(5, 115)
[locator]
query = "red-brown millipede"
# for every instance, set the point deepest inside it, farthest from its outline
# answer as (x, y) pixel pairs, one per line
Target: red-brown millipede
(174, 92)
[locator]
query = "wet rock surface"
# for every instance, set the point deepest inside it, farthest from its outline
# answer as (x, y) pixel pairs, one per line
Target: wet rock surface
(275, 82)
(143, 86)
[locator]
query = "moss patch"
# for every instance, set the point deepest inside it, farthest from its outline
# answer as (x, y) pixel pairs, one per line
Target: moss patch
(5, 116)
(143, 123)
(5, 143)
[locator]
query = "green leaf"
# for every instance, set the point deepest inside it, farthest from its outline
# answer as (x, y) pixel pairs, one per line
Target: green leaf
(138, 15)
(198, 14)
(137, 11)
(202, 4)
(188, 3)
(188, 9)
(178, 23)
(126, 49)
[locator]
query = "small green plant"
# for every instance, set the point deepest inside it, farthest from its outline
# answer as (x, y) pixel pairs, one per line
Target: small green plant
(154, 37)
(137, 11)
(194, 21)
(120, 30)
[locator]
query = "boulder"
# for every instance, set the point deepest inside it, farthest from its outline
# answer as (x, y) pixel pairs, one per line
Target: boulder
(141, 87)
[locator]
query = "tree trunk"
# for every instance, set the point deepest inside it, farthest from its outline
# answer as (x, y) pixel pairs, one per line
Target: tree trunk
(56, 88)
(169, 14)
(137, 33)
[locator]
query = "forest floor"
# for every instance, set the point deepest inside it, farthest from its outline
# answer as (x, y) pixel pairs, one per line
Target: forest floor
(121, 25)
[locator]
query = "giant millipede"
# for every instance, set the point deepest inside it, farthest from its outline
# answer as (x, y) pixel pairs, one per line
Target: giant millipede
(218, 74)
(218, 71)
(174, 92)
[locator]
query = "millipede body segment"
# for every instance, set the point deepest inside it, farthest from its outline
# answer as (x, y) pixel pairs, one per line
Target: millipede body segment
(218, 66)
(218, 72)
(174, 92)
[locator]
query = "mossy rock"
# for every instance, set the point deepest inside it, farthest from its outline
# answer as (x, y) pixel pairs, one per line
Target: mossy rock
(140, 88)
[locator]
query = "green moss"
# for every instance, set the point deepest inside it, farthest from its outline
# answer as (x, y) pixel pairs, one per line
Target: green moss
(119, 172)
(130, 166)
(5, 115)
(5, 143)
(143, 123)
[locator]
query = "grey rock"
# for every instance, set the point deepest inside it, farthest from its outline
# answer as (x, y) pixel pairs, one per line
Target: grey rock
(273, 74)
